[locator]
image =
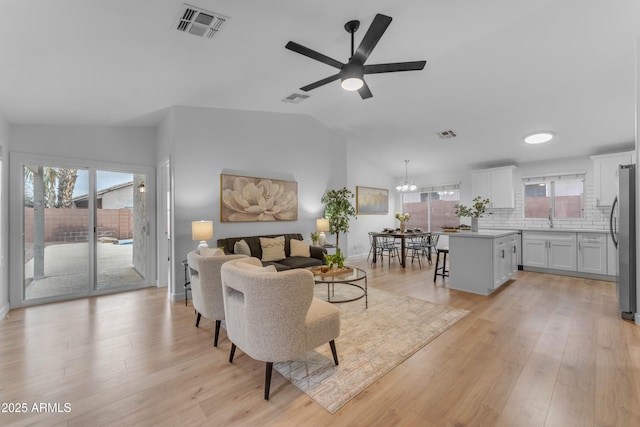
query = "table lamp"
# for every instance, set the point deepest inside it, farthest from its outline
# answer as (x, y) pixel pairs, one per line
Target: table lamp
(203, 231)
(322, 225)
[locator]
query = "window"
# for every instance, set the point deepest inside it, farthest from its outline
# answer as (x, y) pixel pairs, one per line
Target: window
(554, 197)
(433, 208)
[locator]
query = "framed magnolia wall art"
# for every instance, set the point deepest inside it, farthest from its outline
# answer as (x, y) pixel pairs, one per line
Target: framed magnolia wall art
(251, 199)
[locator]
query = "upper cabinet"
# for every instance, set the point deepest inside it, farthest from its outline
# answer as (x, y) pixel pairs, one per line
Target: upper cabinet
(606, 168)
(496, 184)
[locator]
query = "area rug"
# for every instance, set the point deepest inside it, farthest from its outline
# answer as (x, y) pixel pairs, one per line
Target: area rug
(371, 343)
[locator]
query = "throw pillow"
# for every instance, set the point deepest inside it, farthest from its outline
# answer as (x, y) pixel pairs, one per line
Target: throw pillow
(241, 247)
(299, 248)
(257, 269)
(272, 249)
(211, 252)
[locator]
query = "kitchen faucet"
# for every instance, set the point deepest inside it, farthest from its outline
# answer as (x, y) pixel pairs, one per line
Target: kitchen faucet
(550, 219)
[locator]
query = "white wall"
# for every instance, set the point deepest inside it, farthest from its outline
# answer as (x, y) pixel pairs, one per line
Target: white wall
(125, 145)
(362, 173)
(207, 142)
(4, 214)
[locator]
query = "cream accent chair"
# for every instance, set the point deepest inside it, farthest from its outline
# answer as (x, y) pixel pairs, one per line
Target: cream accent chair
(273, 316)
(206, 287)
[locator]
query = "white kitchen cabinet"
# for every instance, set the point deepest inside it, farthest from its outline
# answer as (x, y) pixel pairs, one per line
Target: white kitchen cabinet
(496, 184)
(606, 175)
(592, 253)
(499, 261)
(534, 251)
(481, 262)
(513, 248)
(505, 259)
(555, 250)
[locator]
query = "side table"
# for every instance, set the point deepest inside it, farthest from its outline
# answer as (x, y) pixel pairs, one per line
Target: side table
(187, 280)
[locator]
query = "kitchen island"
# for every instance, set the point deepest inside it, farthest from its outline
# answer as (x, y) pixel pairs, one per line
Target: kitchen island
(482, 261)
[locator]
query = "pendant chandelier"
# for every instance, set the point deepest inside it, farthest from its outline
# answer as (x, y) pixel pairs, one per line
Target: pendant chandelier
(406, 186)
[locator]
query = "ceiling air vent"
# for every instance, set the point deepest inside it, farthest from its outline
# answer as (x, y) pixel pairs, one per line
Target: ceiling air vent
(447, 134)
(295, 98)
(199, 22)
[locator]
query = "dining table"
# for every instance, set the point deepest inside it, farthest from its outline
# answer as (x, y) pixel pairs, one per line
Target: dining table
(396, 234)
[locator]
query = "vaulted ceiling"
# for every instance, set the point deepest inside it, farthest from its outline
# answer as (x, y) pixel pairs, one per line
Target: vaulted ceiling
(496, 71)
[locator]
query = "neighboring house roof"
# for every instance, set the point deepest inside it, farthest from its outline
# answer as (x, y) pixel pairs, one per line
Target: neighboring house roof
(100, 193)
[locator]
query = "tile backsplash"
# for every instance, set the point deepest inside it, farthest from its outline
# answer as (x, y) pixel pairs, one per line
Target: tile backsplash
(595, 218)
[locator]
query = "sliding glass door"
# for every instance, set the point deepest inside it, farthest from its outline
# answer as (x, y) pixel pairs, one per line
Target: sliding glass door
(85, 231)
(121, 249)
(56, 233)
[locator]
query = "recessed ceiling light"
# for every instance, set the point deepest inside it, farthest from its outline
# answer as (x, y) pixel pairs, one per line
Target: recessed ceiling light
(539, 137)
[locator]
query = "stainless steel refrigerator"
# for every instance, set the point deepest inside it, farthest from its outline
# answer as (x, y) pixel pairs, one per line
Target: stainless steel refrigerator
(622, 222)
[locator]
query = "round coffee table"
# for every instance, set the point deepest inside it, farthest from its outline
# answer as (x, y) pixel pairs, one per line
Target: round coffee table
(348, 277)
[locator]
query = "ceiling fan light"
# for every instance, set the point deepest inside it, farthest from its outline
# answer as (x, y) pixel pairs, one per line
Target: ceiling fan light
(352, 83)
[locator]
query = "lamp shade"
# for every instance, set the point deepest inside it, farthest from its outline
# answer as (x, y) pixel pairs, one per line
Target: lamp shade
(202, 230)
(322, 224)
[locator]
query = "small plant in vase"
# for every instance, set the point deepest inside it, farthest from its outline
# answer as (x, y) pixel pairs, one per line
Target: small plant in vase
(315, 237)
(403, 218)
(474, 211)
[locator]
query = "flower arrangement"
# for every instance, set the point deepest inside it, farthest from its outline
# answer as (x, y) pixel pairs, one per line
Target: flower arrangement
(476, 210)
(403, 216)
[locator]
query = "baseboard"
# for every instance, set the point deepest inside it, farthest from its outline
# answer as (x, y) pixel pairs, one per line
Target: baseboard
(4, 311)
(180, 296)
(571, 273)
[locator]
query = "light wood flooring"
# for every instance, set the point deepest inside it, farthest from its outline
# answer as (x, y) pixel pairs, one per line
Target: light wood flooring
(546, 350)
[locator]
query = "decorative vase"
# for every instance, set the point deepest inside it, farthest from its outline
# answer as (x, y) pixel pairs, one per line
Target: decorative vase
(403, 225)
(314, 242)
(474, 223)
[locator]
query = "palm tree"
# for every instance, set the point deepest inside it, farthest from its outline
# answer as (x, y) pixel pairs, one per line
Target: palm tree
(45, 181)
(66, 183)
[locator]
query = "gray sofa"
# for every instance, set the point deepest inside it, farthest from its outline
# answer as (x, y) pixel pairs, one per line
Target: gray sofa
(316, 258)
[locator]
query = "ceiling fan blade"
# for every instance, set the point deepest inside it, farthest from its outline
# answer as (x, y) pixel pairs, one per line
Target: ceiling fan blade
(393, 67)
(319, 83)
(313, 54)
(371, 38)
(364, 91)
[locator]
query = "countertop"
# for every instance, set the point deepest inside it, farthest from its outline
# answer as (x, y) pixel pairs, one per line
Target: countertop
(557, 230)
(480, 234)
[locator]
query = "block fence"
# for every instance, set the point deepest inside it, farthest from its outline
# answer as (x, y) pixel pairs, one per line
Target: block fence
(71, 225)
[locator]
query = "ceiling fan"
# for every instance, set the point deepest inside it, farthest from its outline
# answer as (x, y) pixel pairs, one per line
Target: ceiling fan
(352, 73)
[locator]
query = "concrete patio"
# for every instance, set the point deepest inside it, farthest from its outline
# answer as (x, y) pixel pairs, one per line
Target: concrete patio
(66, 270)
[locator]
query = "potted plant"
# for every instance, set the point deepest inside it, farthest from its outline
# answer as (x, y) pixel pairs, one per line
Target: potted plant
(338, 210)
(335, 261)
(474, 211)
(314, 238)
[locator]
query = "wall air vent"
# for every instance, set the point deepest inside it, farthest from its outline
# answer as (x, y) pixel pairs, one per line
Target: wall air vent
(447, 134)
(199, 22)
(295, 98)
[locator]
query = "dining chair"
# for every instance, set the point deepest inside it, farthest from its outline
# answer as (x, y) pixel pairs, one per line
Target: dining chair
(371, 243)
(388, 244)
(430, 244)
(414, 249)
